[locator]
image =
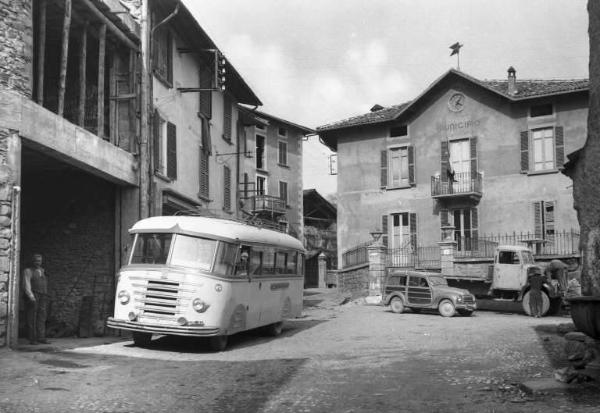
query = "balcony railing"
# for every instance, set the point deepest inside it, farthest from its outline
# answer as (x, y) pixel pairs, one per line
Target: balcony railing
(463, 184)
(268, 204)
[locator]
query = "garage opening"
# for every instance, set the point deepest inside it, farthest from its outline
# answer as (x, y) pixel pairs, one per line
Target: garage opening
(68, 216)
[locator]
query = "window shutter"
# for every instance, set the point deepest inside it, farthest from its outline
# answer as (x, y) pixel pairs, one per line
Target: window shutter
(384, 229)
(169, 57)
(559, 142)
(204, 173)
(227, 118)
(413, 230)
(445, 158)
(411, 165)
(444, 217)
(384, 168)
(549, 207)
(206, 82)
(473, 142)
(171, 151)
(226, 188)
(474, 229)
(245, 185)
(206, 140)
(537, 217)
(156, 141)
(524, 152)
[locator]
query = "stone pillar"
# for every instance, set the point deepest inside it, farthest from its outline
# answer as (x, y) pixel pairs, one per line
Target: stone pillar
(322, 270)
(447, 250)
(377, 259)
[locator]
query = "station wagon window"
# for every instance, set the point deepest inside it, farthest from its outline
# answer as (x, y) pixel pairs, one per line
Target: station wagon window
(508, 257)
(397, 280)
(193, 252)
(151, 248)
(417, 282)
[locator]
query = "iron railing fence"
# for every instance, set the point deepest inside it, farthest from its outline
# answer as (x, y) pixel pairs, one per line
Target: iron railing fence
(356, 255)
(463, 183)
(565, 242)
(422, 257)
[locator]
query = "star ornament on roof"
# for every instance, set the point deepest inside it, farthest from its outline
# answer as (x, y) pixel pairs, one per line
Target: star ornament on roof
(456, 51)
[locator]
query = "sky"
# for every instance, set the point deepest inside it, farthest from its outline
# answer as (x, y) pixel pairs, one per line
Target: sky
(314, 62)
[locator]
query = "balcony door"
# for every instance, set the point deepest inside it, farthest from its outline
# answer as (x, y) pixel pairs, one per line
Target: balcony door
(401, 240)
(460, 162)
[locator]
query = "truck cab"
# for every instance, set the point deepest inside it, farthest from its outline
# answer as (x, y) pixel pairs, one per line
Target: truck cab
(510, 268)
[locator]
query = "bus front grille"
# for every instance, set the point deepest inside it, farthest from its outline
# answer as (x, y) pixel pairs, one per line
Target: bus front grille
(160, 297)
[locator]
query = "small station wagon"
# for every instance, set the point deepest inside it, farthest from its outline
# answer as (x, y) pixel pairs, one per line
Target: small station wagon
(417, 290)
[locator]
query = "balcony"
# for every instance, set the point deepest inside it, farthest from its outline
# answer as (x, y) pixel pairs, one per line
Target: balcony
(464, 185)
(267, 205)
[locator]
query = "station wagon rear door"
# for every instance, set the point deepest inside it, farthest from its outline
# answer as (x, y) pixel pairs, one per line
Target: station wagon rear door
(419, 291)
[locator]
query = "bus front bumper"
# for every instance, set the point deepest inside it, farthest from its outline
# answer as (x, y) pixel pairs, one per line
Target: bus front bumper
(176, 330)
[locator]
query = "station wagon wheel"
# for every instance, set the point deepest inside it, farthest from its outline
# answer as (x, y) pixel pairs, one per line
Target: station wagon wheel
(446, 308)
(217, 343)
(397, 305)
(141, 339)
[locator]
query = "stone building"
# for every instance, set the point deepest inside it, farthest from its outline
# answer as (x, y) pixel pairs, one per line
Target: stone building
(472, 156)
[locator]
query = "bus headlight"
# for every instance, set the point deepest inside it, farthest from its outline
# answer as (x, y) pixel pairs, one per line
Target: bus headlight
(199, 306)
(123, 297)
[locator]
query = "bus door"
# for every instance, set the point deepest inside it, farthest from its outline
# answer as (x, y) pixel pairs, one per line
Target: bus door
(254, 285)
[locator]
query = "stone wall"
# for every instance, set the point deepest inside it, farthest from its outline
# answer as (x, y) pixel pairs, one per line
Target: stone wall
(15, 73)
(354, 280)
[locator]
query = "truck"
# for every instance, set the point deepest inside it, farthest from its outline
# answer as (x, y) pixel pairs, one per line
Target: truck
(506, 279)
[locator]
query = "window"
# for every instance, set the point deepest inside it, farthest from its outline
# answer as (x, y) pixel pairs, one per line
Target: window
(508, 257)
(226, 188)
(151, 248)
(282, 159)
(282, 132)
(466, 227)
(543, 214)
(162, 56)
(283, 191)
(225, 261)
(261, 185)
(542, 149)
(193, 252)
(204, 186)
(541, 110)
(227, 118)
(398, 167)
(165, 147)
(260, 152)
(402, 232)
(401, 130)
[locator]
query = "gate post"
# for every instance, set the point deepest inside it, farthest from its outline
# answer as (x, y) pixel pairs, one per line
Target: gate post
(322, 266)
(447, 250)
(377, 259)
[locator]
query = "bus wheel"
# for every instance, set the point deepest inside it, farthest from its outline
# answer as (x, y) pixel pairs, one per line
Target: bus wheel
(141, 339)
(217, 343)
(274, 329)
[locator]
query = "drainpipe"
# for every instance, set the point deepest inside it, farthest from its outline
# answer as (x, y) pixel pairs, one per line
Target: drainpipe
(13, 270)
(144, 159)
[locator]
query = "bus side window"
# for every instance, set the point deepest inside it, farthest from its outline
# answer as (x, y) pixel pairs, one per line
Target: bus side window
(225, 258)
(243, 262)
(280, 260)
(291, 263)
(268, 266)
(256, 261)
(301, 265)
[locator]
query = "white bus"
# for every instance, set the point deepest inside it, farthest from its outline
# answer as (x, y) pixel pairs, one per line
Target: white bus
(207, 277)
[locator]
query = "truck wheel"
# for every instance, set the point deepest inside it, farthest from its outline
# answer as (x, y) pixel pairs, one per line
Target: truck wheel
(217, 343)
(545, 303)
(397, 305)
(446, 308)
(141, 339)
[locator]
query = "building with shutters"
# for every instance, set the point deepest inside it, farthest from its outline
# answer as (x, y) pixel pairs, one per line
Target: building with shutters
(269, 189)
(196, 122)
(469, 156)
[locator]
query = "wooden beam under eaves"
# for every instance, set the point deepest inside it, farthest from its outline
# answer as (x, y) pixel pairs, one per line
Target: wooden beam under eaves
(64, 58)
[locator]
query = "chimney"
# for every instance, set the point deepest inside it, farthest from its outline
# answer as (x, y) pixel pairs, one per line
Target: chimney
(512, 81)
(376, 108)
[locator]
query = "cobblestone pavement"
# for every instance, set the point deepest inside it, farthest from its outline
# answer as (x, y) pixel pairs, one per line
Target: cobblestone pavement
(348, 358)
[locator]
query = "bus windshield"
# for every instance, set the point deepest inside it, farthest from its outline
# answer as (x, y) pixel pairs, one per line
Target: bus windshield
(193, 252)
(151, 248)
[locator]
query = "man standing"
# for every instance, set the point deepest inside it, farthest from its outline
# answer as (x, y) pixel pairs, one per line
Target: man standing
(557, 270)
(35, 286)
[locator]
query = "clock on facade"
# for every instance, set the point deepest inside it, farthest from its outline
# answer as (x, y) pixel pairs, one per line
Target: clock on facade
(456, 102)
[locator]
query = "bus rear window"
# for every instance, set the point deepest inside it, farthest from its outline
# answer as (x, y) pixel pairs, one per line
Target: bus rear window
(151, 248)
(193, 252)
